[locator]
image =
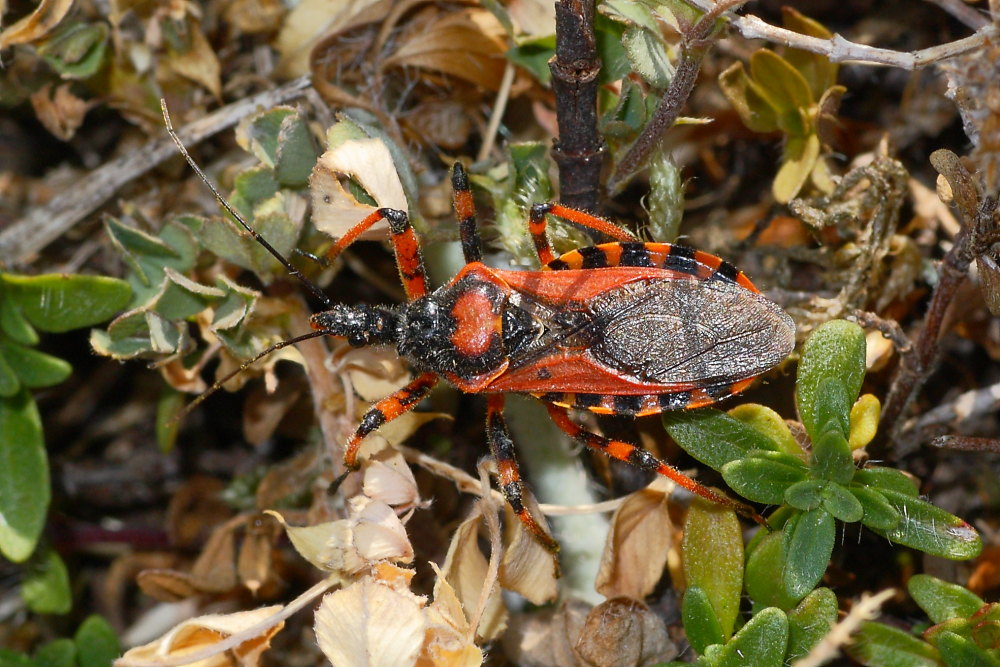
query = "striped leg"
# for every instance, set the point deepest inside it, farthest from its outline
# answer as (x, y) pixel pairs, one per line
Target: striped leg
(404, 244)
(537, 223)
(640, 458)
(386, 410)
(509, 476)
(465, 211)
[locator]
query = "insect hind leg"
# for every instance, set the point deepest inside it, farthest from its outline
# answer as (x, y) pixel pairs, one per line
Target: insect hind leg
(537, 224)
(639, 457)
(508, 474)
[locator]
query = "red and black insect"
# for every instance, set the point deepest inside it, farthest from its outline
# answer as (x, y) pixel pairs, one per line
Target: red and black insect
(625, 328)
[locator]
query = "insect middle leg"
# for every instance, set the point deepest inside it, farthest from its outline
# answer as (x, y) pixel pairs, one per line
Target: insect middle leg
(390, 407)
(537, 224)
(509, 477)
(639, 457)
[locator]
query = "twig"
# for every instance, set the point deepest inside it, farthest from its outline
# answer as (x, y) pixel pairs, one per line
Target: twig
(964, 443)
(970, 16)
(866, 609)
(693, 51)
(968, 405)
(45, 224)
(499, 106)
(838, 49)
(579, 150)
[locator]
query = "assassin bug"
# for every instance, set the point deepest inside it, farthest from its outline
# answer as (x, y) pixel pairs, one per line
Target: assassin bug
(624, 328)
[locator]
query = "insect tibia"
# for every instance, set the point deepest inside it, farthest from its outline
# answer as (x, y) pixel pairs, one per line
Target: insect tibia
(360, 325)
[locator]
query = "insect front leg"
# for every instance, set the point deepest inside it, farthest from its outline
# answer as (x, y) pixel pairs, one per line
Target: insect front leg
(640, 458)
(404, 245)
(390, 407)
(465, 211)
(508, 474)
(537, 224)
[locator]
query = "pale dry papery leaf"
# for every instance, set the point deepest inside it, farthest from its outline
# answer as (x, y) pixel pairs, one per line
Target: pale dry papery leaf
(879, 351)
(622, 632)
(61, 113)
(199, 63)
(465, 568)
(36, 25)
(546, 637)
(307, 22)
(375, 372)
(533, 17)
(201, 632)
(636, 549)
(378, 532)
(449, 638)
(369, 163)
(388, 478)
(370, 624)
(527, 567)
(402, 427)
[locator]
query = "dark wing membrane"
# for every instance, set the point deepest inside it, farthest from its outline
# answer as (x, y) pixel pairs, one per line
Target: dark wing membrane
(689, 331)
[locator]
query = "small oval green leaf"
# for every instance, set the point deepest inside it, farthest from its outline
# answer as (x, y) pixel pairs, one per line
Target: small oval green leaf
(713, 559)
(931, 529)
(770, 424)
(878, 512)
(807, 548)
(24, 476)
(942, 600)
(809, 622)
(890, 479)
(713, 437)
(59, 302)
(765, 564)
(957, 651)
(763, 476)
(46, 587)
(96, 642)
(701, 625)
(835, 350)
(806, 495)
(761, 642)
(878, 645)
(33, 368)
(842, 504)
(57, 653)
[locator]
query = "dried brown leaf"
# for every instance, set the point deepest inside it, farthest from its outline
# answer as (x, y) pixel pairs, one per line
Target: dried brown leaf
(199, 62)
(449, 639)
(547, 637)
(61, 112)
(636, 549)
(36, 25)
(465, 568)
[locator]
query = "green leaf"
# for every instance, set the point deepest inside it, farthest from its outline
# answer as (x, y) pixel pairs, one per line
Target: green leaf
(713, 559)
(797, 161)
(9, 383)
(835, 350)
(46, 587)
(10, 658)
(763, 476)
(958, 651)
(297, 154)
(808, 546)
(76, 50)
(58, 302)
(764, 581)
(815, 68)
(751, 102)
(610, 50)
(942, 600)
(168, 407)
(713, 437)
(786, 89)
(878, 645)
(809, 622)
(770, 424)
(14, 323)
(930, 529)
(806, 495)
(34, 369)
(888, 479)
(57, 653)
(96, 642)
(534, 54)
(701, 625)
(761, 642)
(841, 503)
(878, 512)
(832, 458)
(24, 476)
(648, 56)
(258, 133)
(148, 255)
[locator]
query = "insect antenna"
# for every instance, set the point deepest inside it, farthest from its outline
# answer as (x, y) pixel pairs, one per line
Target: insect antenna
(217, 385)
(311, 286)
